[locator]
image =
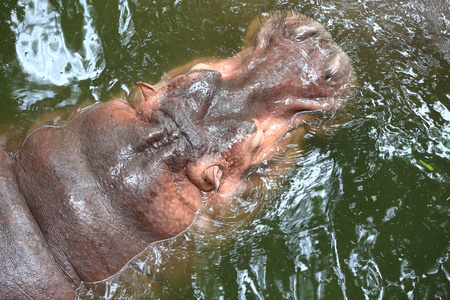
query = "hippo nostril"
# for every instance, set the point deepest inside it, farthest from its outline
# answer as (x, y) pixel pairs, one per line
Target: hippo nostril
(304, 32)
(334, 66)
(257, 140)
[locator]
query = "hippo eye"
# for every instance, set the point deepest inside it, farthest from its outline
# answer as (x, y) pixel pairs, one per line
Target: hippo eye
(303, 32)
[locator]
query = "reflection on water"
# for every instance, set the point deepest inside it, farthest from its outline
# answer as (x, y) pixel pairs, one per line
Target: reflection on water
(365, 212)
(43, 51)
(126, 25)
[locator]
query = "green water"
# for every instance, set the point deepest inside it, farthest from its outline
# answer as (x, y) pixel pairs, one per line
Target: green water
(365, 212)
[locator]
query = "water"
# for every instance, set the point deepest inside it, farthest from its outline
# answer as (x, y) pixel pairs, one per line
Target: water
(365, 212)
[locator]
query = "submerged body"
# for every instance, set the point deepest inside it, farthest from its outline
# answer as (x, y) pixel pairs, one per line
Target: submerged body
(81, 200)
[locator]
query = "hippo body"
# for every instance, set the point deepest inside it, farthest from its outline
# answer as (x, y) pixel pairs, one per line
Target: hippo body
(79, 201)
(27, 266)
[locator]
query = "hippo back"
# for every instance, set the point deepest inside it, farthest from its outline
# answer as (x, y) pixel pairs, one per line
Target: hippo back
(24, 256)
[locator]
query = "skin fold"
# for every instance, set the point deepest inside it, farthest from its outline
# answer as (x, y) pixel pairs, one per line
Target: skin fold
(79, 201)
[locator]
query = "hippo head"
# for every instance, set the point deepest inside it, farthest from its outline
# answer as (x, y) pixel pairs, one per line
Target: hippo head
(233, 113)
(118, 177)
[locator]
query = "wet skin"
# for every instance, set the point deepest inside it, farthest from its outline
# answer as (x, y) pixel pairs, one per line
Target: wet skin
(79, 201)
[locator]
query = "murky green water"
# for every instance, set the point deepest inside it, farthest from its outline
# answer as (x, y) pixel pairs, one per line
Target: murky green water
(365, 212)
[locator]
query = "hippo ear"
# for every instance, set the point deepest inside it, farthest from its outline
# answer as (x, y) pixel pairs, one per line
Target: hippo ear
(144, 100)
(205, 175)
(147, 90)
(212, 175)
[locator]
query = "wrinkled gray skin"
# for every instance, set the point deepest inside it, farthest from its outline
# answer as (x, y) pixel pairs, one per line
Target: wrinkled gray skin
(79, 201)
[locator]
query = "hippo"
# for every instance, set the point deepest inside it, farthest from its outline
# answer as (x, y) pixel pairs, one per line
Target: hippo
(79, 201)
